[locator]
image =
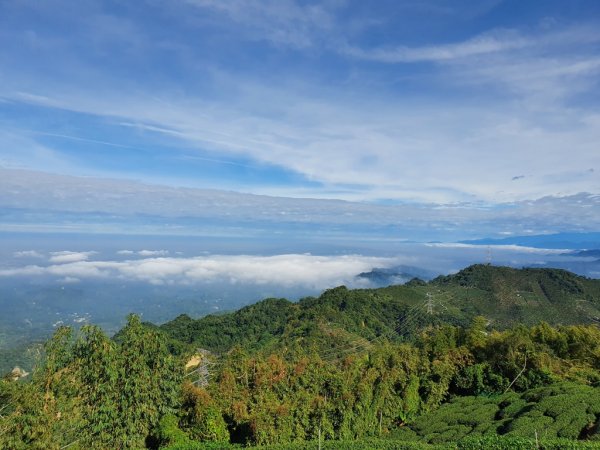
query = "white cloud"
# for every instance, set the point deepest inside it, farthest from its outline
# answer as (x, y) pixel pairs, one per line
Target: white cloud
(125, 252)
(69, 257)
(286, 270)
(153, 252)
(28, 254)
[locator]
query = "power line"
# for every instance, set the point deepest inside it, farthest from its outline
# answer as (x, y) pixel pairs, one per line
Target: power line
(411, 317)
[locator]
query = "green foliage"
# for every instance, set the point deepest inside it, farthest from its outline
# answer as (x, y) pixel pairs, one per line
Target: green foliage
(148, 381)
(26, 421)
(364, 444)
(201, 417)
(471, 299)
(168, 433)
(93, 393)
(492, 442)
(565, 410)
(255, 325)
(354, 369)
(486, 442)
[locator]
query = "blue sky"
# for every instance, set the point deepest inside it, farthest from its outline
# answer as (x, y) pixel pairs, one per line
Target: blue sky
(483, 105)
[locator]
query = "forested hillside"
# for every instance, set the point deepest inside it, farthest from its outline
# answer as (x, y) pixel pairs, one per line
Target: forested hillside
(487, 358)
(503, 295)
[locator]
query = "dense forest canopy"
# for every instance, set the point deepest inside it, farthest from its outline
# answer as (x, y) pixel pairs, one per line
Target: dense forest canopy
(491, 357)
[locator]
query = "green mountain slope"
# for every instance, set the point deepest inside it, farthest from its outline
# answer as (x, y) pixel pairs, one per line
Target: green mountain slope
(380, 368)
(340, 317)
(510, 295)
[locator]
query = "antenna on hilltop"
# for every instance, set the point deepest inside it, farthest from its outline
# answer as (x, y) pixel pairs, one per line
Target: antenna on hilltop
(488, 255)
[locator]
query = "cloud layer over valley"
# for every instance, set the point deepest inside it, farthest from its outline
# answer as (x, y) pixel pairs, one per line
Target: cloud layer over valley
(310, 271)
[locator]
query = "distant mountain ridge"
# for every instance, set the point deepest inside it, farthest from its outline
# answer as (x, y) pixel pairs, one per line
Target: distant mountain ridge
(575, 241)
(594, 253)
(396, 275)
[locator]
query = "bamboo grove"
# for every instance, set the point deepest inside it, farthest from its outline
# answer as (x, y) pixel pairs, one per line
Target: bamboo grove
(92, 392)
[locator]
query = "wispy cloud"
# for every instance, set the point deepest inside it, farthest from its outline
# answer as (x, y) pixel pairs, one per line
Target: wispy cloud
(28, 254)
(439, 120)
(517, 44)
(282, 22)
(339, 144)
(500, 41)
(545, 66)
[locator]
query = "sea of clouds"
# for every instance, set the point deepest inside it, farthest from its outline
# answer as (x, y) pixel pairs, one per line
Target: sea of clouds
(306, 270)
